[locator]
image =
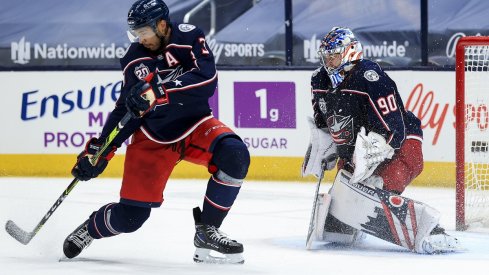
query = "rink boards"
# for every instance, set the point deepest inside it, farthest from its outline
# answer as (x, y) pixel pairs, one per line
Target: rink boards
(48, 116)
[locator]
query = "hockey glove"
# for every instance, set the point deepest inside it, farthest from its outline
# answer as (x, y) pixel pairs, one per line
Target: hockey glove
(84, 169)
(370, 151)
(144, 95)
(321, 153)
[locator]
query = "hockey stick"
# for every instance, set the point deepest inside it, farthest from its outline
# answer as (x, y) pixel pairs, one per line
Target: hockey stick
(25, 237)
(314, 206)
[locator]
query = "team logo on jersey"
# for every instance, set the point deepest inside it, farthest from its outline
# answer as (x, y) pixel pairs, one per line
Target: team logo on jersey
(170, 76)
(371, 75)
(341, 128)
(141, 71)
(322, 105)
(186, 27)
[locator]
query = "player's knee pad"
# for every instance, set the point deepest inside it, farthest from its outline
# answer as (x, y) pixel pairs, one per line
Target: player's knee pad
(115, 218)
(231, 156)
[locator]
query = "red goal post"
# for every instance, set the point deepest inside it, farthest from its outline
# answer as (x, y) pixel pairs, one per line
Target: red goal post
(472, 132)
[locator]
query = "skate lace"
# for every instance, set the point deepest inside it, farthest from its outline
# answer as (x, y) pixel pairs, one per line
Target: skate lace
(81, 238)
(219, 236)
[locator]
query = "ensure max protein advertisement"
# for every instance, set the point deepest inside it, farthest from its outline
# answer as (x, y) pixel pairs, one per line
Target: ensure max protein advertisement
(57, 112)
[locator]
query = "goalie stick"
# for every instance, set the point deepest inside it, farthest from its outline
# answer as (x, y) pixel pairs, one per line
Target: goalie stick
(25, 237)
(314, 206)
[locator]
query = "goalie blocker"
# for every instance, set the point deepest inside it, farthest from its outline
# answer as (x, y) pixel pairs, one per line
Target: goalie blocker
(356, 208)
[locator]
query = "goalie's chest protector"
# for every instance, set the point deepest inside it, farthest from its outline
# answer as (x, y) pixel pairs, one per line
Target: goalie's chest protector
(344, 114)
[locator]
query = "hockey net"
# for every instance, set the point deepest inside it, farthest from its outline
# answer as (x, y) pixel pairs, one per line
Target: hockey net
(472, 133)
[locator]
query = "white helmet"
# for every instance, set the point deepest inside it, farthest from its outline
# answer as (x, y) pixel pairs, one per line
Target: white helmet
(341, 41)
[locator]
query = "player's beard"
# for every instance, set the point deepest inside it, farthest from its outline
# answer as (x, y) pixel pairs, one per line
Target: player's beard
(164, 39)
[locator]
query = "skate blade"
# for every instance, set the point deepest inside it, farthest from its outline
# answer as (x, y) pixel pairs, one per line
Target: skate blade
(203, 255)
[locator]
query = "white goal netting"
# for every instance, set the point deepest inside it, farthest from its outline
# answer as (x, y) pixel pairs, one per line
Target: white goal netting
(476, 145)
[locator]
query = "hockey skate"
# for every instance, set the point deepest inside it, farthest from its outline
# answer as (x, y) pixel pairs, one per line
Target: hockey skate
(210, 239)
(77, 241)
(439, 242)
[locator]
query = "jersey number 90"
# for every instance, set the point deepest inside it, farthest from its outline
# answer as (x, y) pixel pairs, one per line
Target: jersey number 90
(387, 104)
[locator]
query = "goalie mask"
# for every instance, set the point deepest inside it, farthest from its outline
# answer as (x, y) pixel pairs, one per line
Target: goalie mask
(339, 48)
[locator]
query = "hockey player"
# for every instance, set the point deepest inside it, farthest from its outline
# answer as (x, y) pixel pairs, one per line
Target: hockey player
(169, 75)
(360, 120)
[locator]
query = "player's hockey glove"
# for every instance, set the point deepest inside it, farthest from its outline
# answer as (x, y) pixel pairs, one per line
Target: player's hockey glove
(144, 95)
(370, 151)
(321, 153)
(84, 169)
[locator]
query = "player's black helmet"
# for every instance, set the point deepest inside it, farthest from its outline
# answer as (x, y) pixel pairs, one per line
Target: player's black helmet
(147, 13)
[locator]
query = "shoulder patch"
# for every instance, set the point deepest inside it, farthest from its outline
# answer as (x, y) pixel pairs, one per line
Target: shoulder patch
(371, 75)
(186, 27)
(141, 71)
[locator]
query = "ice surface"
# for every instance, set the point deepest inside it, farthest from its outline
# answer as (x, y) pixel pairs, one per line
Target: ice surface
(269, 218)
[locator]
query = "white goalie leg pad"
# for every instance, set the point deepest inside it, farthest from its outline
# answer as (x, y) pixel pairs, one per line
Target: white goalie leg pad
(382, 214)
(322, 207)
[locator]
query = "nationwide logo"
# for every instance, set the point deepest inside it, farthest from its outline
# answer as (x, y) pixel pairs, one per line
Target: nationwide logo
(23, 51)
(20, 51)
(386, 49)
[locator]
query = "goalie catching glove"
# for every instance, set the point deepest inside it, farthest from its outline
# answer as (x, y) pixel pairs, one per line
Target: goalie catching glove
(321, 153)
(84, 169)
(144, 95)
(370, 151)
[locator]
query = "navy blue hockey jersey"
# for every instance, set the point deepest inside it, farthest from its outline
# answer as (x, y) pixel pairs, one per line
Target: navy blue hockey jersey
(367, 97)
(187, 69)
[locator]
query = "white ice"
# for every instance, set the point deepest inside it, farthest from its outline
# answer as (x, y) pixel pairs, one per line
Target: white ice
(269, 218)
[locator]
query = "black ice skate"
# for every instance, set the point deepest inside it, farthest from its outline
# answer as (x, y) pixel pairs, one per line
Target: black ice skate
(440, 242)
(77, 241)
(209, 238)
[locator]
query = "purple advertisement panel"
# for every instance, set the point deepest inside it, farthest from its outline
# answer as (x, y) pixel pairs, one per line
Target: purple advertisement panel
(264, 105)
(214, 103)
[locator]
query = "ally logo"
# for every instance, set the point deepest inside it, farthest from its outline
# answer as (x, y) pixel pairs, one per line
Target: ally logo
(20, 51)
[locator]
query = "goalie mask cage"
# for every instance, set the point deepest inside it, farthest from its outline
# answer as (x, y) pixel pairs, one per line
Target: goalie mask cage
(472, 133)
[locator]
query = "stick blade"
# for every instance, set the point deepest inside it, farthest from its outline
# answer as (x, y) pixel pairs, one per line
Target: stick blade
(18, 233)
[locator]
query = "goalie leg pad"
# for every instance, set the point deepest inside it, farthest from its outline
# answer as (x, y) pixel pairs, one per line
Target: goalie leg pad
(318, 220)
(438, 242)
(340, 233)
(377, 212)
